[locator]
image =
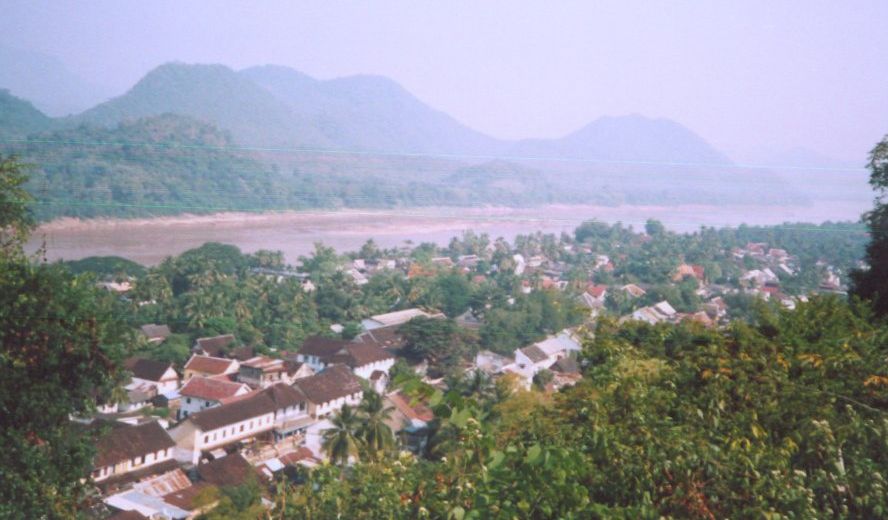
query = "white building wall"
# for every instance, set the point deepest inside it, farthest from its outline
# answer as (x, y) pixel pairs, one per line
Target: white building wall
(148, 459)
(366, 371)
(190, 405)
(191, 441)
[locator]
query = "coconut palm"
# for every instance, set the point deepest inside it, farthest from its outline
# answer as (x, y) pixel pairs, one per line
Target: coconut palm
(478, 384)
(340, 441)
(375, 433)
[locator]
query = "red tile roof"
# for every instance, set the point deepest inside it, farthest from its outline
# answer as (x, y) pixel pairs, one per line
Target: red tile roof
(208, 365)
(411, 410)
(596, 290)
(211, 389)
(292, 458)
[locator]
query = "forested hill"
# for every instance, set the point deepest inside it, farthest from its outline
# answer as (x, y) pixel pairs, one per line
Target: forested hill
(164, 165)
(19, 118)
(292, 141)
(214, 94)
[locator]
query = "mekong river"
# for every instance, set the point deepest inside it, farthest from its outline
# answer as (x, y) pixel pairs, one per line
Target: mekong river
(148, 241)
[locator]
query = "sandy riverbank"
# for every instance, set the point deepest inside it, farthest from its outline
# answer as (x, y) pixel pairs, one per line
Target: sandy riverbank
(149, 240)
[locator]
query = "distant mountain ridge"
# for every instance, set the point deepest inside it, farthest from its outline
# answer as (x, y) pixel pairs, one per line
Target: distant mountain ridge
(19, 118)
(632, 138)
(214, 94)
(372, 113)
(46, 82)
(275, 106)
(277, 138)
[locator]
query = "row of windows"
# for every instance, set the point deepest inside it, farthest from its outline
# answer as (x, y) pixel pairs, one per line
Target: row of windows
(231, 431)
(138, 461)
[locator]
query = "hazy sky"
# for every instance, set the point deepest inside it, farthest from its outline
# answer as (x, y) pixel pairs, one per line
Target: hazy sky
(746, 75)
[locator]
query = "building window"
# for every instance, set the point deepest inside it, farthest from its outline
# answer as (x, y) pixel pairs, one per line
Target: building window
(206, 439)
(242, 428)
(188, 400)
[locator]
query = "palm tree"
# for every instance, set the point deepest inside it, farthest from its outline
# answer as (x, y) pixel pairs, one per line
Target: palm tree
(340, 441)
(375, 433)
(478, 384)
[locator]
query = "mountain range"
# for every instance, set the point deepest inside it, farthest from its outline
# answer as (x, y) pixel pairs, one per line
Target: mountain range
(360, 137)
(273, 106)
(47, 82)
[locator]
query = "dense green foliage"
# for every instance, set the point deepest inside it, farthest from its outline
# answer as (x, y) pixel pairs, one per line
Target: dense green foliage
(18, 118)
(15, 216)
(653, 259)
(163, 166)
(61, 342)
(872, 283)
(783, 417)
(60, 345)
(106, 266)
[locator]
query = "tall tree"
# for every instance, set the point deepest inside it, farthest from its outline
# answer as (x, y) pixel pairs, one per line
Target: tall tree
(872, 283)
(375, 433)
(15, 217)
(59, 352)
(340, 440)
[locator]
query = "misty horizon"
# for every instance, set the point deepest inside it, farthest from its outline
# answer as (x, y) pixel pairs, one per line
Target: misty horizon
(767, 97)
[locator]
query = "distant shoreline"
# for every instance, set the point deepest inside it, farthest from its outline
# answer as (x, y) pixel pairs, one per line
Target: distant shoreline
(424, 212)
(149, 240)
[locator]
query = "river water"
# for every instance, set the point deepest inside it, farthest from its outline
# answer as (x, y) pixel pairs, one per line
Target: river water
(148, 241)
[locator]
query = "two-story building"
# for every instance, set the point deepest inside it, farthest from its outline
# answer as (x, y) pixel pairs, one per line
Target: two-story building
(317, 351)
(329, 390)
(242, 419)
(291, 410)
(126, 449)
(200, 393)
(364, 357)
